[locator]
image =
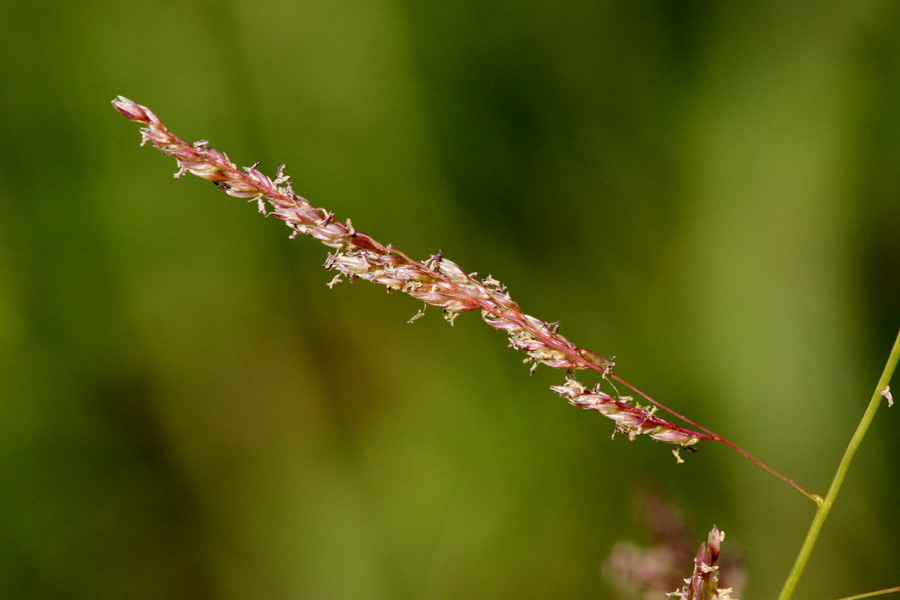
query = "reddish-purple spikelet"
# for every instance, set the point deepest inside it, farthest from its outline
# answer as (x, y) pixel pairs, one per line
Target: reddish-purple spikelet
(436, 281)
(629, 419)
(703, 583)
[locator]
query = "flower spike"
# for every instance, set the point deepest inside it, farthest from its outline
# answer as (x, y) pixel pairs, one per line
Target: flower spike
(437, 281)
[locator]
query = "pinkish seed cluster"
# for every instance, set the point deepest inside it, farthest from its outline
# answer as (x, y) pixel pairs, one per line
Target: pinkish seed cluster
(436, 281)
(630, 419)
(704, 581)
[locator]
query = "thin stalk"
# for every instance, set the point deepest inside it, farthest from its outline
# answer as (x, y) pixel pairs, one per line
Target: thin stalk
(814, 497)
(873, 594)
(718, 438)
(825, 507)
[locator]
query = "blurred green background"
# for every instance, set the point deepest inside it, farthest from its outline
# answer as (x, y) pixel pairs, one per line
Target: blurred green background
(710, 192)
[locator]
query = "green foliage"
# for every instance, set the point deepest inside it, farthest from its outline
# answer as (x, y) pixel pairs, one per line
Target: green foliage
(709, 193)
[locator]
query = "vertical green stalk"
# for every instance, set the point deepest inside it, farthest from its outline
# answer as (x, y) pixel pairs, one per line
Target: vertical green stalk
(825, 507)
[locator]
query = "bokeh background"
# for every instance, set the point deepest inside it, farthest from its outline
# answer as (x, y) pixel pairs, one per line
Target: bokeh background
(708, 191)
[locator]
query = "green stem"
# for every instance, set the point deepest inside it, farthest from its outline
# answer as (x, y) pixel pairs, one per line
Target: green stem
(825, 507)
